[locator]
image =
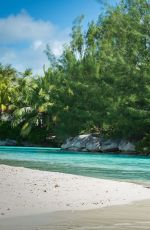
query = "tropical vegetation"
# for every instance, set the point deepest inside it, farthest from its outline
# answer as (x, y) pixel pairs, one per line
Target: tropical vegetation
(100, 83)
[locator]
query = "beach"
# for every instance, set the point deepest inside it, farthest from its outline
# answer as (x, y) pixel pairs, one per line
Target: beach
(133, 216)
(27, 193)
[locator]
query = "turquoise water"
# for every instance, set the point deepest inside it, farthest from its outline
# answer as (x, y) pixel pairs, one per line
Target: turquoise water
(110, 166)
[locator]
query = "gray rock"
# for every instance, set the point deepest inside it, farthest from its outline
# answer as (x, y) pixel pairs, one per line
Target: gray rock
(109, 145)
(94, 143)
(2, 143)
(86, 142)
(8, 142)
(126, 146)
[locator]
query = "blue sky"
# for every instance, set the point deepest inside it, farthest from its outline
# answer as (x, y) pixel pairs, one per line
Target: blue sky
(26, 26)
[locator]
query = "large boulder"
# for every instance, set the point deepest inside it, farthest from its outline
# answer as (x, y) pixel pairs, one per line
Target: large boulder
(86, 142)
(126, 146)
(2, 143)
(95, 143)
(8, 142)
(109, 145)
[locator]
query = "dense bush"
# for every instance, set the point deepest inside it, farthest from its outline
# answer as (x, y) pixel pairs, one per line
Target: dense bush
(100, 84)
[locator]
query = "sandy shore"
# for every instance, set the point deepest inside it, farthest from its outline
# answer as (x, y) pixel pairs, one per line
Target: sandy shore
(29, 192)
(123, 217)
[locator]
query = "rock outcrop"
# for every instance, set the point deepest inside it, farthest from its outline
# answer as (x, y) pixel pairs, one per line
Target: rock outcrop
(8, 142)
(82, 143)
(126, 146)
(96, 143)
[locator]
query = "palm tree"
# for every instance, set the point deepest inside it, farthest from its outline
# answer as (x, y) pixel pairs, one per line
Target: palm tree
(33, 105)
(8, 85)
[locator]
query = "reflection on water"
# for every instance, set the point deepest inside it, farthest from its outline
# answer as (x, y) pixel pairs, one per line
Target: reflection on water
(111, 166)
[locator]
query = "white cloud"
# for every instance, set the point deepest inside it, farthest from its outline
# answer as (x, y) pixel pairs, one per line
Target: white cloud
(23, 40)
(37, 44)
(57, 47)
(23, 27)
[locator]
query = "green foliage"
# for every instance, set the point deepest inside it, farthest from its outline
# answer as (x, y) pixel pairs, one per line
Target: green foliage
(143, 145)
(7, 132)
(100, 84)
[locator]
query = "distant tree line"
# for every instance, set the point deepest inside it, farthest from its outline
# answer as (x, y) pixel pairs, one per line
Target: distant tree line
(100, 84)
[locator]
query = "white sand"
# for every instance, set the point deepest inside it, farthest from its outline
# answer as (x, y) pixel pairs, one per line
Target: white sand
(26, 192)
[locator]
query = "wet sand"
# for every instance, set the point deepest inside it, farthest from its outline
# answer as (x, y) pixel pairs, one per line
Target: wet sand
(129, 217)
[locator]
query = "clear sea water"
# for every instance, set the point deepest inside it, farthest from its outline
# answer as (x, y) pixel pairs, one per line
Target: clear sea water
(108, 166)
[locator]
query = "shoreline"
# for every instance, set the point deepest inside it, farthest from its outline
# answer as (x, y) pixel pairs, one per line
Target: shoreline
(58, 148)
(32, 192)
(119, 217)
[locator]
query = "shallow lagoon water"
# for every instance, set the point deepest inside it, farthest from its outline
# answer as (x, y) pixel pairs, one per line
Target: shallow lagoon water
(108, 166)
